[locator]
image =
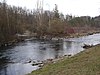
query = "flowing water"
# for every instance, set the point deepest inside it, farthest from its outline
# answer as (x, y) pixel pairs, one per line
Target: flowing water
(14, 60)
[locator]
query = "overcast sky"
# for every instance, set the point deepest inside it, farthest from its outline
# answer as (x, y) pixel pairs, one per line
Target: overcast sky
(74, 7)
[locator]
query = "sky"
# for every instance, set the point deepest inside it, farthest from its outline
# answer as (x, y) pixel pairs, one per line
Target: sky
(72, 7)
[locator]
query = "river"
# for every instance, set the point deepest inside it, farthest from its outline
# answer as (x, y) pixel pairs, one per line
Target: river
(14, 59)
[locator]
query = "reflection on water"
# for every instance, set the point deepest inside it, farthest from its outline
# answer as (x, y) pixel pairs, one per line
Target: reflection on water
(14, 60)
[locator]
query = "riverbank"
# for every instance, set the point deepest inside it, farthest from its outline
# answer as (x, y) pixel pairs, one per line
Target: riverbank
(20, 38)
(83, 34)
(84, 63)
(14, 40)
(67, 35)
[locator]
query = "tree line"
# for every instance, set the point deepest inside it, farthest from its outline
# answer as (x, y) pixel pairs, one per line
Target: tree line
(16, 20)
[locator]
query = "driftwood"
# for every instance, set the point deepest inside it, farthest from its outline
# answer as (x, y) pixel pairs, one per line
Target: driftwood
(87, 46)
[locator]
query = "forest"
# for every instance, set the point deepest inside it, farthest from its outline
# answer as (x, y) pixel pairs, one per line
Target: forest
(17, 20)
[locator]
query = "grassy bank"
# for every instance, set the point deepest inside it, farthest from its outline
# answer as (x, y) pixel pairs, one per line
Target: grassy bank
(84, 63)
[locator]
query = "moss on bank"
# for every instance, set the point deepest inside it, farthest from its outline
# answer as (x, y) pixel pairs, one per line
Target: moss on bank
(84, 63)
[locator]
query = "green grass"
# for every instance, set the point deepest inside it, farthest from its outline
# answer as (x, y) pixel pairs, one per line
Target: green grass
(84, 63)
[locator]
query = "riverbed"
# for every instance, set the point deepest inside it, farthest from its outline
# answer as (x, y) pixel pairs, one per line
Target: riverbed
(18, 59)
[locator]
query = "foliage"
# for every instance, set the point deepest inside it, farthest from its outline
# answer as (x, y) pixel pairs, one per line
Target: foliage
(57, 27)
(17, 20)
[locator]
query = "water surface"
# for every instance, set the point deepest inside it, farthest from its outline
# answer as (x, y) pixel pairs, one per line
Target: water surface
(14, 59)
